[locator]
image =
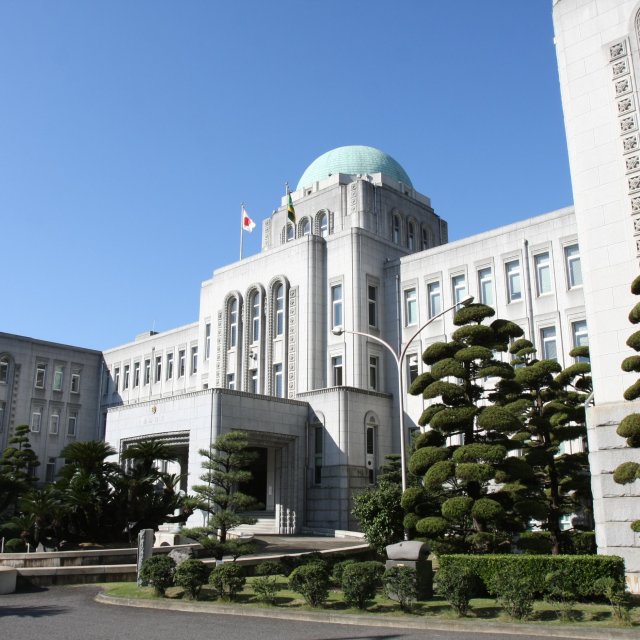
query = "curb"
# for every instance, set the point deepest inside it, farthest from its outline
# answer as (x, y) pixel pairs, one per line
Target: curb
(375, 621)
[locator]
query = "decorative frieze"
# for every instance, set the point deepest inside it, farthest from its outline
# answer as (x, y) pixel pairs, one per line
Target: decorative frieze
(292, 346)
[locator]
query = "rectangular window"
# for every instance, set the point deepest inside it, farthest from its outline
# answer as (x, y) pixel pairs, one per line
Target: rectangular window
(412, 367)
(75, 383)
(169, 366)
(36, 419)
(278, 386)
(256, 315)
(459, 288)
(372, 302)
(58, 375)
(136, 374)
(181, 363)
(72, 424)
(2, 406)
(373, 373)
(116, 379)
(514, 285)
(54, 424)
(485, 286)
(435, 299)
(147, 371)
(396, 229)
(548, 342)
(410, 307)
(574, 269)
(4, 371)
(336, 371)
(318, 454)
(580, 337)
(233, 324)
(336, 306)
(207, 341)
(231, 381)
(50, 474)
(280, 310)
(194, 360)
(125, 377)
(254, 381)
(158, 368)
(41, 372)
(543, 273)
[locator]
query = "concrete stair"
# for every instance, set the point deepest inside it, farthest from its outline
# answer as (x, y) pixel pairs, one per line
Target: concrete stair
(265, 525)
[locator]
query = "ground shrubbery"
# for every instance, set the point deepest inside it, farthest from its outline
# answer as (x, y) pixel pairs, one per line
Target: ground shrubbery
(311, 581)
(456, 587)
(227, 580)
(400, 584)
(158, 571)
(360, 581)
(191, 575)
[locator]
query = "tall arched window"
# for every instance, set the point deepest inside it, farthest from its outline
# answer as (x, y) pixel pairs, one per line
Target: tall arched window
(279, 319)
(425, 238)
(233, 323)
(323, 225)
(291, 233)
(395, 228)
(305, 226)
(4, 370)
(256, 312)
(411, 235)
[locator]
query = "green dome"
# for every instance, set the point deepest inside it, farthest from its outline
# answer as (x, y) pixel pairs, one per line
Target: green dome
(353, 159)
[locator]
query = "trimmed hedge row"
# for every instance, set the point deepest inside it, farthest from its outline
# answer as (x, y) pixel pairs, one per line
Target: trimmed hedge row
(584, 570)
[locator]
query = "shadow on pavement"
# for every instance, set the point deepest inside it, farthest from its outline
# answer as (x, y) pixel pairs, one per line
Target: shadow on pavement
(32, 612)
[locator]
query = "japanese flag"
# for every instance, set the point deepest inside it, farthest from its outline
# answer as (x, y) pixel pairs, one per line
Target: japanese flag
(247, 223)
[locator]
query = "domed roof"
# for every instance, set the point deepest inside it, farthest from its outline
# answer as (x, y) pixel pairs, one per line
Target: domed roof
(353, 159)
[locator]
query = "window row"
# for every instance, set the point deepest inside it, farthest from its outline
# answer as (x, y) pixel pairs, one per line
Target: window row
(410, 233)
(513, 280)
(55, 424)
(337, 376)
(318, 226)
(155, 369)
(58, 377)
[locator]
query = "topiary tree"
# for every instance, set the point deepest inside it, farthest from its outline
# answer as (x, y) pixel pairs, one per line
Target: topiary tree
(16, 464)
(629, 427)
(549, 403)
(226, 466)
(460, 508)
(360, 581)
(311, 581)
(227, 580)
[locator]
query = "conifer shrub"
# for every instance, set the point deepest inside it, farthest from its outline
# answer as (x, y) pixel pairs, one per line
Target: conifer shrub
(339, 568)
(158, 571)
(400, 584)
(191, 575)
(311, 581)
(360, 581)
(227, 580)
(266, 588)
(268, 568)
(456, 587)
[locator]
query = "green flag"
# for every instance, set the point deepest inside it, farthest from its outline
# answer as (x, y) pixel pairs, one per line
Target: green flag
(291, 212)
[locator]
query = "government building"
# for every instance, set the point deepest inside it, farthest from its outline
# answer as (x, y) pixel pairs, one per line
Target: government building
(292, 345)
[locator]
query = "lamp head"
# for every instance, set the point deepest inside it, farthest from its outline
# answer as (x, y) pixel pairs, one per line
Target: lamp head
(467, 301)
(337, 331)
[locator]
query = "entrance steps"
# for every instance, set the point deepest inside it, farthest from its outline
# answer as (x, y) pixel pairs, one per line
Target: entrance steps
(265, 525)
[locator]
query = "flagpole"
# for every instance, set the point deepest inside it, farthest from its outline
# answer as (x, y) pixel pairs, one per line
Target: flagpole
(241, 227)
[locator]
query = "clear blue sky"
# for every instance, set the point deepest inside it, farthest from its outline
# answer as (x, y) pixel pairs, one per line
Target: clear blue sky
(130, 131)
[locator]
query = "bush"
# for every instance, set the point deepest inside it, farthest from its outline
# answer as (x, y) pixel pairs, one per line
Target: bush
(618, 598)
(312, 582)
(15, 545)
(266, 588)
(514, 592)
(339, 568)
(191, 575)
(360, 581)
(585, 570)
(227, 580)
(400, 584)
(561, 593)
(158, 572)
(268, 568)
(456, 587)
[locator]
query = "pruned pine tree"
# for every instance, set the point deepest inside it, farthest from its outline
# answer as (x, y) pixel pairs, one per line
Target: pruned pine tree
(16, 469)
(629, 427)
(462, 458)
(549, 402)
(226, 466)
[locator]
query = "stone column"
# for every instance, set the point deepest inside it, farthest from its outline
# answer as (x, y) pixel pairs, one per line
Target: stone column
(145, 550)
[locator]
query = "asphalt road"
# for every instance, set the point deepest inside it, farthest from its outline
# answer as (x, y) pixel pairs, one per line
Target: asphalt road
(70, 613)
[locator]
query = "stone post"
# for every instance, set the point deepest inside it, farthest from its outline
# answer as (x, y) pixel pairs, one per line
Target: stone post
(145, 550)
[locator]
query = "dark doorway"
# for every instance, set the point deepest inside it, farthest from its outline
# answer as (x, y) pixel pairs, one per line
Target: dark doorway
(257, 486)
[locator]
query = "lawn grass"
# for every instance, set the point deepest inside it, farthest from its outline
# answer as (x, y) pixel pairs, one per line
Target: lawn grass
(583, 614)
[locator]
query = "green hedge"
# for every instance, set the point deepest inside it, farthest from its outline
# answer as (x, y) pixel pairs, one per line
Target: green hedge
(585, 570)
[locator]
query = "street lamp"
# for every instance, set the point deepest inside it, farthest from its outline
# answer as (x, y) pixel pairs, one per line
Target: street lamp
(398, 360)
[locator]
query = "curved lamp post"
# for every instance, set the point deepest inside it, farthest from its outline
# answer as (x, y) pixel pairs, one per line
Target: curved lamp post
(398, 360)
